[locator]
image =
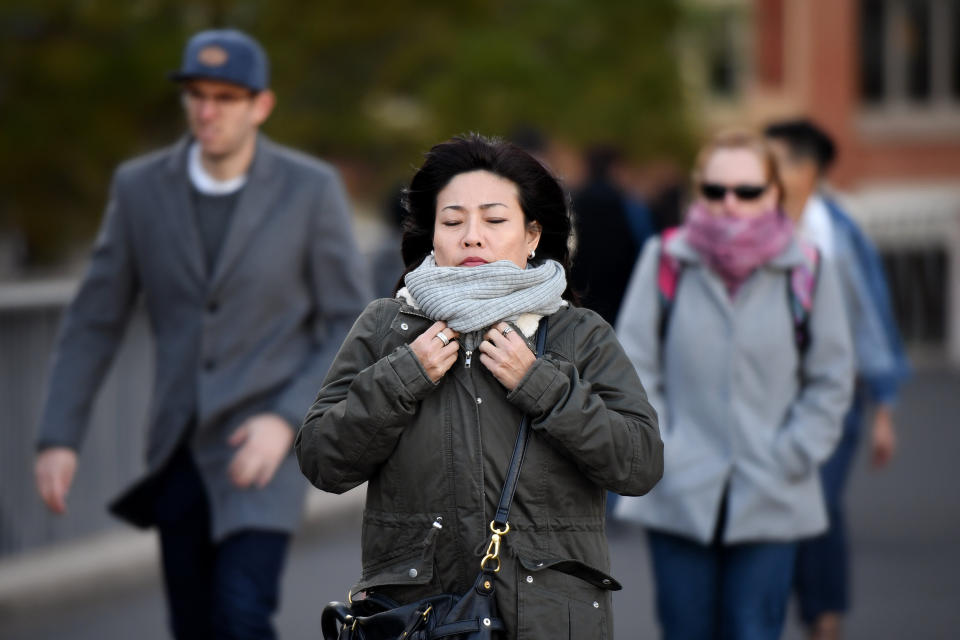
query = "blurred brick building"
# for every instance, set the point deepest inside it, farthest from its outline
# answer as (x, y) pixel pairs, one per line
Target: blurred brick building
(883, 77)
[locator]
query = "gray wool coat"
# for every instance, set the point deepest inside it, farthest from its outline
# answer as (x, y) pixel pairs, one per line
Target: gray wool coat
(439, 453)
(739, 406)
(256, 335)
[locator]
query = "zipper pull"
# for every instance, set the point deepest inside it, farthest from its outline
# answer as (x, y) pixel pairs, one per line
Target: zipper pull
(469, 356)
(434, 530)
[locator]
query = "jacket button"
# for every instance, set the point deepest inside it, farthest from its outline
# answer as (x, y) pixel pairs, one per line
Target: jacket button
(596, 605)
(606, 581)
(403, 325)
(213, 306)
(209, 364)
(530, 579)
(479, 400)
(412, 573)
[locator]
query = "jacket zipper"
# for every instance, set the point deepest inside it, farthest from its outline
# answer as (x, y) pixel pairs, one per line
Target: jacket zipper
(468, 355)
(468, 360)
(483, 482)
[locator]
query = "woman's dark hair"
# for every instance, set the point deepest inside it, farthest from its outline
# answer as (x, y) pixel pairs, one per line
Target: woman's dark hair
(542, 199)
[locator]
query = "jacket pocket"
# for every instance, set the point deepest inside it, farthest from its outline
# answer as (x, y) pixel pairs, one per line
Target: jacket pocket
(788, 459)
(403, 576)
(574, 568)
(562, 598)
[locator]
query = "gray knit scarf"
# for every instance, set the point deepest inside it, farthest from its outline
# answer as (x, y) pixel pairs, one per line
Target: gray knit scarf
(470, 299)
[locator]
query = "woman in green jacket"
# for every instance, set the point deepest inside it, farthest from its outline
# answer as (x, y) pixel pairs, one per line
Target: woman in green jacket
(424, 399)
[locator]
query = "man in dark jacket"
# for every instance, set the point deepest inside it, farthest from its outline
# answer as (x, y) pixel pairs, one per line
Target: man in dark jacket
(243, 253)
(606, 247)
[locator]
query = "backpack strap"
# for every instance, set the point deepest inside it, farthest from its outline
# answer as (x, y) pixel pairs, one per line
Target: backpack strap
(801, 287)
(668, 277)
(800, 291)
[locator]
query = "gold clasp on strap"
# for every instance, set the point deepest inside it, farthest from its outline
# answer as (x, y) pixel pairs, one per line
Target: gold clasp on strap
(493, 549)
(416, 623)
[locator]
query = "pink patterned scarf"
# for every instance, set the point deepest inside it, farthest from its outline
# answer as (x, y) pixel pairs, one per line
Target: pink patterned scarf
(735, 247)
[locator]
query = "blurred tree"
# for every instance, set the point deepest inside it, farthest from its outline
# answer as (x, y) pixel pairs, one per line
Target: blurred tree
(82, 85)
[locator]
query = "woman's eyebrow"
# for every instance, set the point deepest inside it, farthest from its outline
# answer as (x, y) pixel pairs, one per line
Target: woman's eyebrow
(483, 207)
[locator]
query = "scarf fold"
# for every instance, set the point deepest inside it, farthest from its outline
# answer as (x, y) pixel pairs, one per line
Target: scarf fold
(471, 299)
(735, 247)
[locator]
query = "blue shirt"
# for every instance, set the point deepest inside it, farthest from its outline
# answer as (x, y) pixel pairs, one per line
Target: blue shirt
(880, 358)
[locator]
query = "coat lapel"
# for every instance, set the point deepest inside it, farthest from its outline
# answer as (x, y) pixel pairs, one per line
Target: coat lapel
(178, 207)
(259, 195)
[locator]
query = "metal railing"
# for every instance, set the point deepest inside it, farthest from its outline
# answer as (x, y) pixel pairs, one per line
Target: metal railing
(112, 454)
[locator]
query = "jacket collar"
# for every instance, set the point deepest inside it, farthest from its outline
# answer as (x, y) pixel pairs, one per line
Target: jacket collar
(178, 208)
(252, 207)
(263, 160)
(258, 198)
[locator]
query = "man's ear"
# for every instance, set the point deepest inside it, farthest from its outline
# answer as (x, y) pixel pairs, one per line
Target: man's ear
(263, 104)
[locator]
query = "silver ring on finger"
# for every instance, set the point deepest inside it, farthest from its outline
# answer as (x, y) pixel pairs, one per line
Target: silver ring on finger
(507, 330)
(442, 337)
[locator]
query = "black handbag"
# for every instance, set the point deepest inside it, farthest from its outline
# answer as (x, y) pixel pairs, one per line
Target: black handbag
(468, 616)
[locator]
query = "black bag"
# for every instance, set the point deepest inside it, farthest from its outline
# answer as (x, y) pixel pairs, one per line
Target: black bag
(470, 616)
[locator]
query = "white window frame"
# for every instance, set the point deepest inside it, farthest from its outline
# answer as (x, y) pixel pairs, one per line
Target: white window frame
(896, 115)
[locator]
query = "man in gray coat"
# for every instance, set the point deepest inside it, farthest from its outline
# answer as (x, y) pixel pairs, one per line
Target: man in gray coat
(243, 253)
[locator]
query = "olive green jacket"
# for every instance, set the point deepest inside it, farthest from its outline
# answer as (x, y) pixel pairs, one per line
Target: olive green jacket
(438, 453)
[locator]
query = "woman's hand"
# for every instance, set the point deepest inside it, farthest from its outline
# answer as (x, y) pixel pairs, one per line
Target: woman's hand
(434, 354)
(506, 355)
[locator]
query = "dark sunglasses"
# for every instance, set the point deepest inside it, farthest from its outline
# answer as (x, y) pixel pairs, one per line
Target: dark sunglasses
(712, 191)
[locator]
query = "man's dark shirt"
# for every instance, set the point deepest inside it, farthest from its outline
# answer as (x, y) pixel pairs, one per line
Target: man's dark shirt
(214, 213)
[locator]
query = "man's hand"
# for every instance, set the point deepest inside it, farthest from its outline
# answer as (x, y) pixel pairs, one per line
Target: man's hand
(264, 440)
(883, 437)
(54, 470)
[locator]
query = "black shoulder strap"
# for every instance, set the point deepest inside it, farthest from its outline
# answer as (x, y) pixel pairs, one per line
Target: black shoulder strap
(513, 473)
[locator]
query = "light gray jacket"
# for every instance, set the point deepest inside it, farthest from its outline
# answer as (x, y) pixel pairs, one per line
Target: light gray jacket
(738, 404)
(256, 335)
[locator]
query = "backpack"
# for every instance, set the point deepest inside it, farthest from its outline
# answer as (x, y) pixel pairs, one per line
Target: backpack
(800, 288)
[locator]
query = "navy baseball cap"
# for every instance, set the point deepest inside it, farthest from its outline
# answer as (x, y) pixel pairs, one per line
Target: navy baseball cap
(227, 55)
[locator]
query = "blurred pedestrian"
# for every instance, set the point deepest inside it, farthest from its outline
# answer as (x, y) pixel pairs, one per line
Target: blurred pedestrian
(606, 245)
(667, 198)
(386, 263)
(563, 160)
(640, 216)
(243, 254)
(805, 153)
(424, 399)
(738, 332)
